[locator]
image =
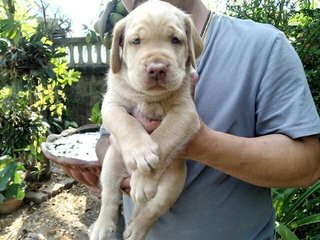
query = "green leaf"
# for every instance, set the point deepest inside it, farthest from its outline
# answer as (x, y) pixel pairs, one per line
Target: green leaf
(4, 44)
(20, 167)
(300, 201)
(281, 201)
(12, 191)
(63, 81)
(305, 221)
(282, 193)
(6, 175)
(4, 161)
(36, 37)
(60, 54)
(285, 232)
(59, 128)
(72, 76)
(4, 22)
(13, 33)
(21, 194)
(18, 176)
(88, 38)
(61, 68)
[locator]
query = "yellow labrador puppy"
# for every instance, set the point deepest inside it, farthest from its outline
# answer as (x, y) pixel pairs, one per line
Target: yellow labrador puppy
(153, 53)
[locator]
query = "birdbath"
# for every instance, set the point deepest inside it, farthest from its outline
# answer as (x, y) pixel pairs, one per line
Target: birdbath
(74, 151)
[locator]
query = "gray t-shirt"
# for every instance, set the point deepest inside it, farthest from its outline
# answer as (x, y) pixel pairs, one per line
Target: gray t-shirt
(251, 83)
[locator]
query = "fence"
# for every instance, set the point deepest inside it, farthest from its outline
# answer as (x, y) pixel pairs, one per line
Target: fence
(83, 54)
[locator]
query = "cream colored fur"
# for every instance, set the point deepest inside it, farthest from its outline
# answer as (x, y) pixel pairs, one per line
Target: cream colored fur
(148, 35)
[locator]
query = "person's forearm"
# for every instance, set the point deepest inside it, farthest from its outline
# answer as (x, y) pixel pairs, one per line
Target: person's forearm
(269, 161)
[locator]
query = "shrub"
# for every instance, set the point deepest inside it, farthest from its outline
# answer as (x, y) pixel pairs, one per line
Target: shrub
(34, 75)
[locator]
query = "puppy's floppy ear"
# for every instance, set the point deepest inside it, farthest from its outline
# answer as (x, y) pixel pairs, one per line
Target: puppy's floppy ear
(195, 43)
(117, 43)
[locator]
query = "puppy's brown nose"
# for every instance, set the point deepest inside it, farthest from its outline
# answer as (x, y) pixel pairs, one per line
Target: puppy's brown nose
(157, 70)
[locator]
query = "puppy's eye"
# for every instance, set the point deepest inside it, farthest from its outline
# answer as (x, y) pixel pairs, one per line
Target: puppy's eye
(136, 41)
(175, 40)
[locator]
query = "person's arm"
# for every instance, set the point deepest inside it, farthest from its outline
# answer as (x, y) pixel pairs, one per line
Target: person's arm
(273, 160)
(269, 161)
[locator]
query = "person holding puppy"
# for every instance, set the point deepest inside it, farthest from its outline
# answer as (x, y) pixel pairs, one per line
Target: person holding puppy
(259, 130)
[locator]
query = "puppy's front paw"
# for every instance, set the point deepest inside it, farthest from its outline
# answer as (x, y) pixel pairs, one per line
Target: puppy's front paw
(102, 231)
(142, 155)
(143, 187)
(135, 232)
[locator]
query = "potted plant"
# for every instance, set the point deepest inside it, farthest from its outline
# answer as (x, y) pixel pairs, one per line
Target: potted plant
(12, 184)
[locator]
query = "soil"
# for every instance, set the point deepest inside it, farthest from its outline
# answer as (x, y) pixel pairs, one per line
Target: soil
(66, 216)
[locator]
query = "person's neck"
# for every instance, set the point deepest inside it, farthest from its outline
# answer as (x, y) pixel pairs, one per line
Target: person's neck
(128, 4)
(198, 11)
(199, 14)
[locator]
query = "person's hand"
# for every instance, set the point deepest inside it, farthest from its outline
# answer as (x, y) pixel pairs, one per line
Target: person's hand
(125, 186)
(194, 148)
(148, 124)
(151, 125)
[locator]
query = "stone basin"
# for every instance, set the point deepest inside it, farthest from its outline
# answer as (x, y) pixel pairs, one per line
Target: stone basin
(74, 151)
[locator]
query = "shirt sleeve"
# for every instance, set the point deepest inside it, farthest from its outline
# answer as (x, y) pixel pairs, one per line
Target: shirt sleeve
(284, 103)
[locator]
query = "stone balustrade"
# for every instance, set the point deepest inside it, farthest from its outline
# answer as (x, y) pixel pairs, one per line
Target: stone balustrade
(83, 55)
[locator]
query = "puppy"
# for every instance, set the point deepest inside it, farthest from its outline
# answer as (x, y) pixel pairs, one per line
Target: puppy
(153, 53)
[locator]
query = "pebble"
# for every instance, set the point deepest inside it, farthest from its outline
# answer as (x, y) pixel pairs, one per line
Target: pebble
(36, 197)
(48, 191)
(35, 236)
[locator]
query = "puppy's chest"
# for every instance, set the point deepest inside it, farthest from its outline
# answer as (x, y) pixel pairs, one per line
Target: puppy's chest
(154, 111)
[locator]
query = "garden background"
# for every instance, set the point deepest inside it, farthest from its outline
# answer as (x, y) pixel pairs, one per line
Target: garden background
(41, 93)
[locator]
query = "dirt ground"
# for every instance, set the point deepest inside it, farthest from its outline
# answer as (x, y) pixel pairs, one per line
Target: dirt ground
(67, 216)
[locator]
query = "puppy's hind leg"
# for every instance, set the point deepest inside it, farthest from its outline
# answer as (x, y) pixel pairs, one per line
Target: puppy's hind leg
(111, 176)
(169, 189)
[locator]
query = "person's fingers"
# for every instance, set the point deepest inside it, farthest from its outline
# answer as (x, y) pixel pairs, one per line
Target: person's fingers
(125, 185)
(148, 124)
(126, 191)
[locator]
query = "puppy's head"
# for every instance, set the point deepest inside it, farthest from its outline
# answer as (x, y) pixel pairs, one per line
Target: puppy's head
(155, 46)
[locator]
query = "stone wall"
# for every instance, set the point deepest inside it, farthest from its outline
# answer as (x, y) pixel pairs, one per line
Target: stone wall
(87, 92)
